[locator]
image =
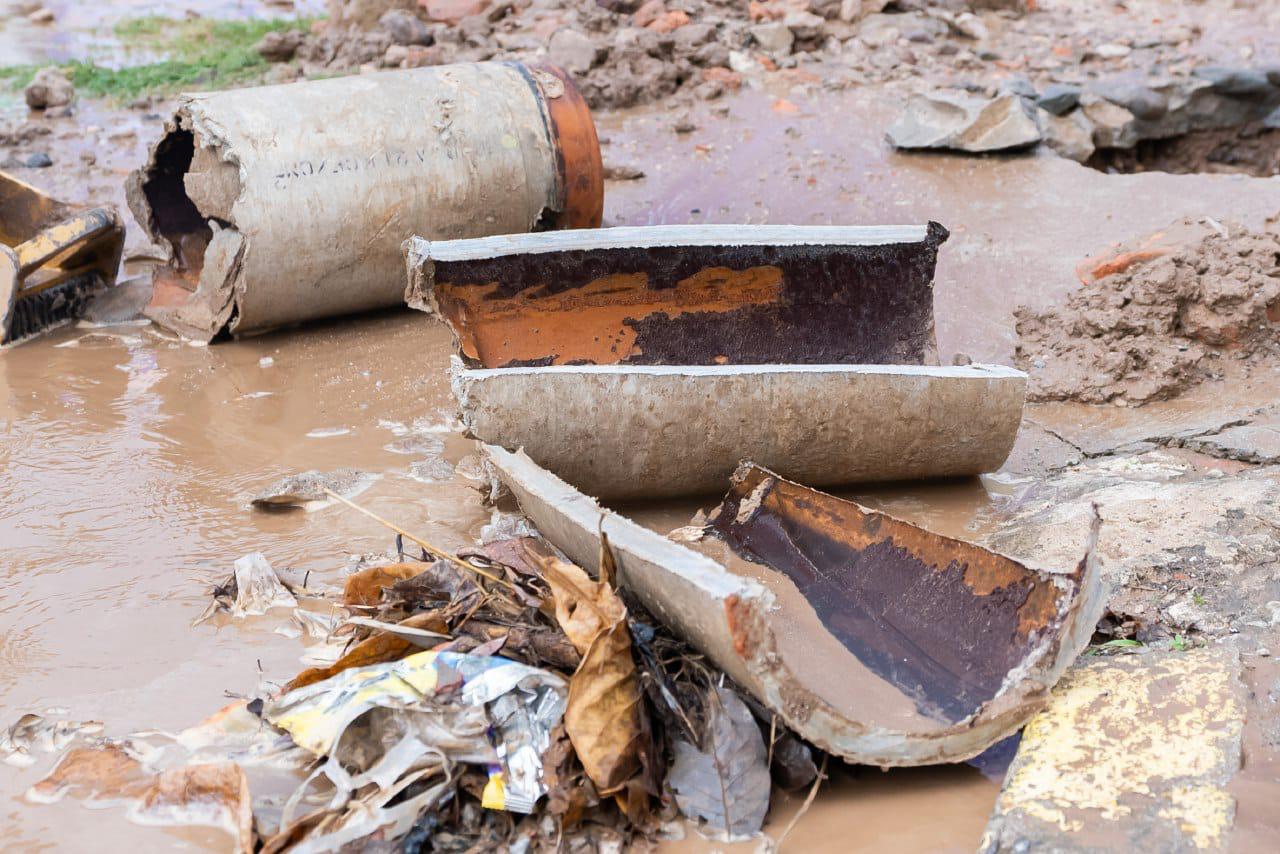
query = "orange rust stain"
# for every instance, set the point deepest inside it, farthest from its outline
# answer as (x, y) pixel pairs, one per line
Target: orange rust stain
(1118, 264)
(589, 323)
(731, 605)
(844, 521)
(581, 168)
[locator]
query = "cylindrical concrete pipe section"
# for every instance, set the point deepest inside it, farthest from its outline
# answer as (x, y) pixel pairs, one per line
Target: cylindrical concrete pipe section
(288, 203)
(632, 432)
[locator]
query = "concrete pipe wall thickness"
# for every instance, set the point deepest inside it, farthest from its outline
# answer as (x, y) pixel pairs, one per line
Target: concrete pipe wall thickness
(288, 203)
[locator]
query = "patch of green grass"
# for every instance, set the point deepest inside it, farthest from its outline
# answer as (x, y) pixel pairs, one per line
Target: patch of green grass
(1118, 645)
(1180, 643)
(198, 54)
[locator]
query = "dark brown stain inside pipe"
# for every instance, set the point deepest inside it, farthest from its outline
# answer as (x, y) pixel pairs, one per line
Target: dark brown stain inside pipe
(943, 620)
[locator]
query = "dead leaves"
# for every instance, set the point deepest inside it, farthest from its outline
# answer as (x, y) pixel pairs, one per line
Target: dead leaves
(603, 718)
(725, 780)
(365, 587)
(214, 794)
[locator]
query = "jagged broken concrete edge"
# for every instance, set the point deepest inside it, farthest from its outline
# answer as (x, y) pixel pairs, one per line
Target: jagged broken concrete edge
(727, 617)
(648, 431)
(684, 294)
(312, 225)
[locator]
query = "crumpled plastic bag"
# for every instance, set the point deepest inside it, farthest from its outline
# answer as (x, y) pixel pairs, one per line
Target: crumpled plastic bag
(469, 708)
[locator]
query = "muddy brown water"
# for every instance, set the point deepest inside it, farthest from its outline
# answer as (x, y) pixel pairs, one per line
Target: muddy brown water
(128, 458)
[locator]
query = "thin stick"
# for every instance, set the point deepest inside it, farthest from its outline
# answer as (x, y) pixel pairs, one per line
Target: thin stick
(808, 801)
(439, 553)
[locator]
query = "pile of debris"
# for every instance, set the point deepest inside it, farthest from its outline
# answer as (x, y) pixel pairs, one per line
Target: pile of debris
(1152, 321)
(624, 52)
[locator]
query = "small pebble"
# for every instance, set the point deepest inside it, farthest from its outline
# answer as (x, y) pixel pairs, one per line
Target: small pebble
(39, 160)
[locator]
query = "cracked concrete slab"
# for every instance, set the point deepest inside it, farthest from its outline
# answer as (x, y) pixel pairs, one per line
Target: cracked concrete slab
(1134, 752)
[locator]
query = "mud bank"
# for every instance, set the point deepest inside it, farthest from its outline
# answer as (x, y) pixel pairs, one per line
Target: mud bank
(1150, 322)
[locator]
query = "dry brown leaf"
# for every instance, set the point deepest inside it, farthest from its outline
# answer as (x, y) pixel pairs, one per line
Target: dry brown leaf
(603, 715)
(94, 772)
(584, 608)
(365, 587)
(372, 650)
(216, 794)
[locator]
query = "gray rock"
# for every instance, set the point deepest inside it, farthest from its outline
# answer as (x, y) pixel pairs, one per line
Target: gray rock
(279, 45)
(1070, 136)
(1238, 82)
(805, 26)
(49, 88)
(406, 28)
(970, 26)
(773, 37)
(965, 123)
(1113, 125)
(1059, 98)
(1253, 443)
(1145, 103)
(39, 160)
(1272, 120)
(1019, 85)
(693, 35)
(572, 50)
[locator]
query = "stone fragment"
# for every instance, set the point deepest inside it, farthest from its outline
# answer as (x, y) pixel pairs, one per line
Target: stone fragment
(965, 123)
(805, 26)
(668, 22)
(1112, 123)
(970, 26)
(1253, 443)
(41, 16)
(1018, 85)
(572, 50)
(1134, 752)
(1239, 82)
(38, 160)
(1143, 102)
(49, 88)
(405, 28)
(1069, 135)
(453, 11)
(1113, 50)
(879, 30)
(649, 12)
(773, 37)
(279, 45)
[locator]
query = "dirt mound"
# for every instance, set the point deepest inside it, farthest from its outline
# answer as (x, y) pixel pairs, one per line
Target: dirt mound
(1152, 329)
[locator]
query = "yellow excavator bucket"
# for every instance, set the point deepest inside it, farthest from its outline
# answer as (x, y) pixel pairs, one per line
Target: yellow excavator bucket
(52, 259)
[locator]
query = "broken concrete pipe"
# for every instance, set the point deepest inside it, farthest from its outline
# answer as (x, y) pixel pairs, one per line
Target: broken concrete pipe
(685, 295)
(287, 203)
(873, 639)
(626, 432)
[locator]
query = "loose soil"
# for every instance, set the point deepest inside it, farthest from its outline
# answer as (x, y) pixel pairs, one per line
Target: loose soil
(1158, 326)
(1248, 150)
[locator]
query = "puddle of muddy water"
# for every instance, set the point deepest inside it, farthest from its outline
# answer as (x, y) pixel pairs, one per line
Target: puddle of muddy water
(125, 470)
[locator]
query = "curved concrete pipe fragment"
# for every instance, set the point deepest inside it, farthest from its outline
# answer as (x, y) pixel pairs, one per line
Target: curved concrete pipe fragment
(287, 203)
(870, 637)
(685, 295)
(623, 432)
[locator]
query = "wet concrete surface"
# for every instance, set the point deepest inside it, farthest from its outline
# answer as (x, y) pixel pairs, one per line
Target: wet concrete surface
(128, 458)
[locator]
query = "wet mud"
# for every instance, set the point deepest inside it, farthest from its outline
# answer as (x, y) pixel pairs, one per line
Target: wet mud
(129, 458)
